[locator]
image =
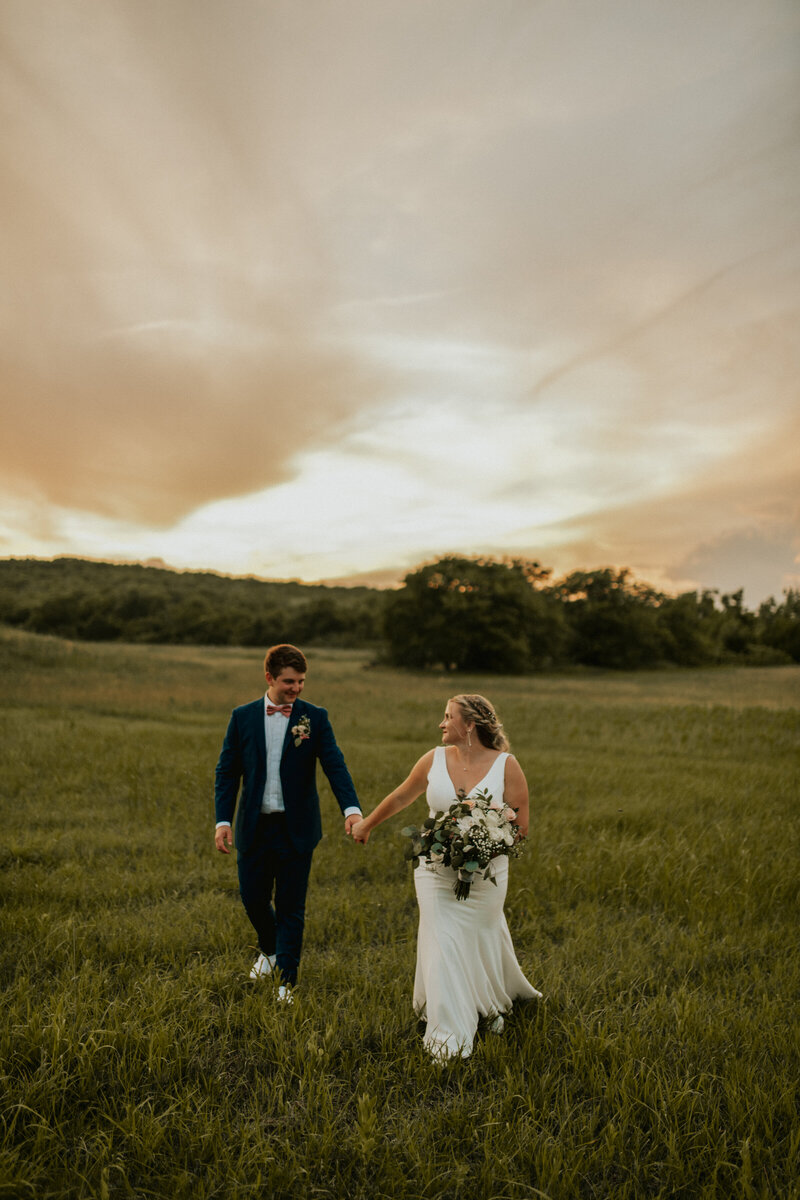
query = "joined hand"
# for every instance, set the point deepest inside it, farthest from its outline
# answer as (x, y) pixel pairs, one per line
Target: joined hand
(359, 833)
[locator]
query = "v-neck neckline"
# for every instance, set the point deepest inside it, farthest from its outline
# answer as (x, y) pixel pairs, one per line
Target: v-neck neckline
(476, 785)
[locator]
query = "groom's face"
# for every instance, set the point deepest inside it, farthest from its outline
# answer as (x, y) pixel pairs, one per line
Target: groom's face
(286, 687)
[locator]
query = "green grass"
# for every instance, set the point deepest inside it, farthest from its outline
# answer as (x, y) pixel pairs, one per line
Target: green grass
(656, 907)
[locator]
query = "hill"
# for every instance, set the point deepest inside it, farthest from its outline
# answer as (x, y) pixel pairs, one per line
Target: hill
(99, 601)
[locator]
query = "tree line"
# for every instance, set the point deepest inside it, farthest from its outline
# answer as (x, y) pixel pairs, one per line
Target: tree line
(97, 601)
(505, 615)
(509, 614)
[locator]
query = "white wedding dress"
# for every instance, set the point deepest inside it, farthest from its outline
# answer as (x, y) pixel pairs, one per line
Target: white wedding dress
(466, 966)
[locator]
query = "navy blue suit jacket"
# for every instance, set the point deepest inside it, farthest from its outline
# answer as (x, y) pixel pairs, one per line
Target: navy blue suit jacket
(243, 760)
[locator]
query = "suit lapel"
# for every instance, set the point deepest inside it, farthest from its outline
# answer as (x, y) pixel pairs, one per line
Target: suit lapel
(260, 733)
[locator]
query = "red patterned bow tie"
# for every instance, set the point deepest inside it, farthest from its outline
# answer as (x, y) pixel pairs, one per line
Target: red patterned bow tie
(285, 709)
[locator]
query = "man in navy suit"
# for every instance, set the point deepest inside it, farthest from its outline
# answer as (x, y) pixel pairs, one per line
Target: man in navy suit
(271, 748)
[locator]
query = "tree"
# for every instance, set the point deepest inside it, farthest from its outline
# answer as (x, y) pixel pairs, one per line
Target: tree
(473, 614)
(778, 625)
(737, 625)
(689, 628)
(614, 620)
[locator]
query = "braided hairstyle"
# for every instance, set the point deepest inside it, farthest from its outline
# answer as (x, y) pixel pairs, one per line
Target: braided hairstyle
(481, 711)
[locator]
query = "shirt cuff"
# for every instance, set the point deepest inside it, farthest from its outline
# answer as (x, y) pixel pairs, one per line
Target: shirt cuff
(351, 812)
(219, 823)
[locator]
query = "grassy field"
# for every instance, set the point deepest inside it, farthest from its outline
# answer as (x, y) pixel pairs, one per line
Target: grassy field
(656, 908)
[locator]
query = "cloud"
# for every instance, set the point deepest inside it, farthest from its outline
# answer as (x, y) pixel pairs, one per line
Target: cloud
(764, 556)
(167, 343)
(147, 425)
(685, 536)
(545, 255)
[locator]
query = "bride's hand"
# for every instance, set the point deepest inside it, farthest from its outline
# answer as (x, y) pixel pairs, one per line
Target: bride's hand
(359, 833)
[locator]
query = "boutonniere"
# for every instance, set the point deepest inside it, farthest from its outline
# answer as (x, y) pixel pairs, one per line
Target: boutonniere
(301, 731)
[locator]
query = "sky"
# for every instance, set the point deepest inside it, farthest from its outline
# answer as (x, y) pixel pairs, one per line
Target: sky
(325, 290)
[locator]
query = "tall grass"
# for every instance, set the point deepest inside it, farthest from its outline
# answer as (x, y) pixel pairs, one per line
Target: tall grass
(656, 908)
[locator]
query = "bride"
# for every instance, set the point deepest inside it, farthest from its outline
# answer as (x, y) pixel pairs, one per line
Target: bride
(466, 966)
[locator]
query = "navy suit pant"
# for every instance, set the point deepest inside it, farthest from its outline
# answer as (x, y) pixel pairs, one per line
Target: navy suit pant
(273, 879)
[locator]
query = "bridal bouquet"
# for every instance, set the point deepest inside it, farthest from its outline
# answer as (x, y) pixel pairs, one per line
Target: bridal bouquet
(472, 832)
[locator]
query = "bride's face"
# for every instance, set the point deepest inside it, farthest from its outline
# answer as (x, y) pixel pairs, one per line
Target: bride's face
(452, 725)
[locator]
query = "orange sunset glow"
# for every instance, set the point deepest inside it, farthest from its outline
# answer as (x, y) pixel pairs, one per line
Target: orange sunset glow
(323, 290)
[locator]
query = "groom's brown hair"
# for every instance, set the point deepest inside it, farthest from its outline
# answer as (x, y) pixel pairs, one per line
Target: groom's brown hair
(278, 658)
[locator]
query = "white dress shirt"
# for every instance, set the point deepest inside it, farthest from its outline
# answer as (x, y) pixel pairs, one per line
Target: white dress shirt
(275, 732)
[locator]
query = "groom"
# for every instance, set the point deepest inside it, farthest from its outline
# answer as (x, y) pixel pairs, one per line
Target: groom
(272, 747)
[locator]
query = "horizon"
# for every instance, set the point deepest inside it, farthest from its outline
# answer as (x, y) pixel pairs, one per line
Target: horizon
(391, 581)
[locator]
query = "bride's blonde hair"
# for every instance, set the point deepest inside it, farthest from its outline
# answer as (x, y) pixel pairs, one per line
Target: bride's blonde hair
(480, 710)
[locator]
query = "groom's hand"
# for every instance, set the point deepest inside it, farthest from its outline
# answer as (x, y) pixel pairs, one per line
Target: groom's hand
(350, 821)
(223, 839)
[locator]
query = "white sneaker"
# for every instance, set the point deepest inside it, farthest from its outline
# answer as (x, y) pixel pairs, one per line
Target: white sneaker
(285, 995)
(497, 1024)
(263, 967)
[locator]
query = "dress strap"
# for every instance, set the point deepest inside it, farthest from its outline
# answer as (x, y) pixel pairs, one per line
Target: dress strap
(439, 764)
(495, 772)
(501, 758)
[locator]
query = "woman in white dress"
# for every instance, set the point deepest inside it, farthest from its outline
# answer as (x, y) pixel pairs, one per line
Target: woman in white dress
(466, 966)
